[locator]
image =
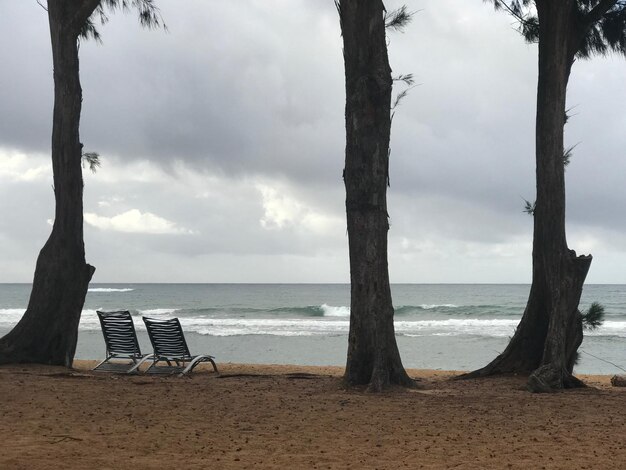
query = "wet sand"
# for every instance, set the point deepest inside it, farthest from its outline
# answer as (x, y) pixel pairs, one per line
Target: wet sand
(293, 417)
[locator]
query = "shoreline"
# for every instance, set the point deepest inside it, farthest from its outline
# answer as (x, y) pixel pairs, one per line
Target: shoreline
(291, 416)
(85, 365)
(463, 327)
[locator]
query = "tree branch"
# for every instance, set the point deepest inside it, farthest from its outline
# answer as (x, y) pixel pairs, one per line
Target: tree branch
(598, 11)
(82, 14)
(507, 7)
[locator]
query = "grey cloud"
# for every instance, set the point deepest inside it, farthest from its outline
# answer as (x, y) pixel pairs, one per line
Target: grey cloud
(26, 94)
(220, 91)
(240, 93)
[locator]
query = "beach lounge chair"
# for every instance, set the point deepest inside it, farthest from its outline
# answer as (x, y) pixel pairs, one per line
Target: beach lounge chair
(169, 345)
(122, 349)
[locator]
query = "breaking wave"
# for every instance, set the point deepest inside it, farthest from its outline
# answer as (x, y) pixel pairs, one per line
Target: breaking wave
(109, 289)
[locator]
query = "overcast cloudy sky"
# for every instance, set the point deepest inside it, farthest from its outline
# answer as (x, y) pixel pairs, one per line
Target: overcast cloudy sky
(222, 146)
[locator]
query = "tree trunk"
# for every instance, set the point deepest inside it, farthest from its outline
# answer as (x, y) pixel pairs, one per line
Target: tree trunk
(373, 356)
(550, 331)
(48, 331)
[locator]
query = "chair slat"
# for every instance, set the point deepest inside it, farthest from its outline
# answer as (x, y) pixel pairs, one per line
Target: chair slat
(119, 333)
(168, 341)
(120, 339)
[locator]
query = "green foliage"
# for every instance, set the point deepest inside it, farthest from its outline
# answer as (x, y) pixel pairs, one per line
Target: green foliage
(608, 33)
(524, 13)
(398, 19)
(567, 154)
(529, 207)
(602, 22)
(409, 82)
(92, 160)
(568, 114)
(406, 79)
(89, 31)
(594, 316)
(147, 11)
(399, 97)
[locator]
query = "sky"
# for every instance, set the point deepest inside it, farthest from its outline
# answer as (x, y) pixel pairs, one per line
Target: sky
(222, 146)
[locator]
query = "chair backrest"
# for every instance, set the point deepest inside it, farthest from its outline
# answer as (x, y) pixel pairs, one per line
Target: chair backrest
(167, 338)
(119, 333)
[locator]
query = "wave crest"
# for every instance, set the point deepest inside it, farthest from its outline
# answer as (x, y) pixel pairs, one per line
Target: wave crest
(158, 311)
(331, 311)
(109, 289)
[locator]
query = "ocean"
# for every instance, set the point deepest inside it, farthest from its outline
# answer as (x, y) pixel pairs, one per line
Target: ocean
(439, 326)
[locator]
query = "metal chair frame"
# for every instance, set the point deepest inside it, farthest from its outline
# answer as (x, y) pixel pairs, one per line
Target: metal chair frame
(120, 339)
(170, 346)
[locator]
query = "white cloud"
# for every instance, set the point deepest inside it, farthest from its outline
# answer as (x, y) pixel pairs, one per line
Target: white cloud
(135, 221)
(241, 140)
(109, 201)
(19, 167)
(282, 210)
(134, 172)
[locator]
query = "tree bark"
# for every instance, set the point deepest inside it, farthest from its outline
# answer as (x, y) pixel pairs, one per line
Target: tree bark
(548, 336)
(48, 331)
(373, 356)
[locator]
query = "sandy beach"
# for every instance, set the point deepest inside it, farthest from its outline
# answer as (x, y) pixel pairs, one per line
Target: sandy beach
(300, 417)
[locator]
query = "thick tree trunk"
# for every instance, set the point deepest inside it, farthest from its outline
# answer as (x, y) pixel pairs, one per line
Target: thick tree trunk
(373, 356)
(550, 331)
(48, 331)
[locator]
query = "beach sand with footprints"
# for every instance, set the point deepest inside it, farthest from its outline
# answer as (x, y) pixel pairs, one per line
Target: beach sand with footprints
(266, 416)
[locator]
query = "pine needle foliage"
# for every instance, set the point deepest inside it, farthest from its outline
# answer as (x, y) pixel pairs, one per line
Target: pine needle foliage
(529, 207)
(148, 13)
(407, 79)
(594, 316)
(602, 21)
(398, 19)
(567, 154)
(568, 114)
(92, 160)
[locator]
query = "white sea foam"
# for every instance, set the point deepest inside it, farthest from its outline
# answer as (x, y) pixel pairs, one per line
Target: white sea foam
(109, 289)
(315, 327)
(334, 322)
(89, 320)
(159, 311)
(456, 327)
(609, 328)
(10, 316)
(274, 327)
(431, 306)
(330, 311)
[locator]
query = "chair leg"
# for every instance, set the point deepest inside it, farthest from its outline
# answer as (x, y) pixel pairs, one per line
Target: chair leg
(197, 360)
(214, 366)
(135, 368)
(102, 362)
(151, 366)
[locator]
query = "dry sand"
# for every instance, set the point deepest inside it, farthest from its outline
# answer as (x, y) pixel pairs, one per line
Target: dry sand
(277, 417)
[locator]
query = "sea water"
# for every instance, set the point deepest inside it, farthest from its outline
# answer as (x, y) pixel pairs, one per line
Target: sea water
(443, 326)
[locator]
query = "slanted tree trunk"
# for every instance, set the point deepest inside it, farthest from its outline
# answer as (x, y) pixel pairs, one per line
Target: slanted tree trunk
(373, 356)
(48, 331)
(548, 336)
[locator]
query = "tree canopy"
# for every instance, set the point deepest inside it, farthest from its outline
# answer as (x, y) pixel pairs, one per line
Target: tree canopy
(148, 13)
(601, 22)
